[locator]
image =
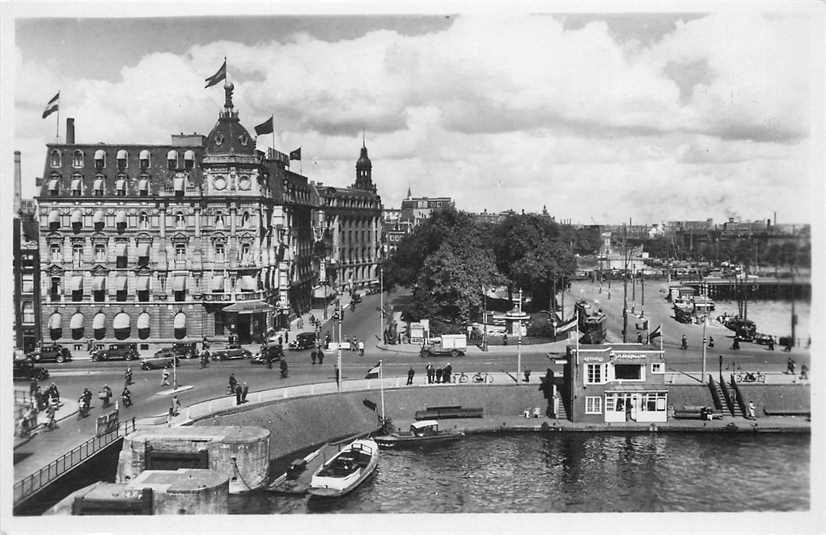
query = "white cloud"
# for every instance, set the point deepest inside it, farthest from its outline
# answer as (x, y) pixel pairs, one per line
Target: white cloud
(500, 112)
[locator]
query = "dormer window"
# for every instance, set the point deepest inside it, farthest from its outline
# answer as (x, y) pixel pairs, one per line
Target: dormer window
(189, 159)
(120, 186)
(54, 158)
(98, 186)
(123, 158)
(77, 159)
(100, 159)
(144, 159)
(172, 160)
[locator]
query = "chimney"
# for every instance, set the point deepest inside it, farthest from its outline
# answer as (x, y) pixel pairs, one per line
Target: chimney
(17, 182)
(775, 219)
(70, 130)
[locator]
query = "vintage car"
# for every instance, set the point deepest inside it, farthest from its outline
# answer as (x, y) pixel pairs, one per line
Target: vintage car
(274, 351)
(25, 370)
(50, 353)
(764, 339)
(231, 353)
(185, 350)
(121, 351)
(161, 359)
(304, 340)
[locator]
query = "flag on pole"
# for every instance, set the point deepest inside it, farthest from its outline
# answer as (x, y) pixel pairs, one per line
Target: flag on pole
(264, 128)
(373, 373)
(655, 333)
(218, 76)
(296, 154)
(52, 106)
(565, 327)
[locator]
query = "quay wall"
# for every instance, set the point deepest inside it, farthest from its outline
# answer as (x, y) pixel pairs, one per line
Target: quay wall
(299, 423)
(793, 397)
(689, 395)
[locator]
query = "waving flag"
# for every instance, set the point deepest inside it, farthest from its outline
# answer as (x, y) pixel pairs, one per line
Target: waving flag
(296, 154)
(52, 106)
(565, 326)
(655, 333)
(218, 76)
(264, 128)
(373, 373)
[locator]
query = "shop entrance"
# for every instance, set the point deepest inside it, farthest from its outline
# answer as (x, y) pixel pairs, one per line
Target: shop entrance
(622, 407)
(243, 329)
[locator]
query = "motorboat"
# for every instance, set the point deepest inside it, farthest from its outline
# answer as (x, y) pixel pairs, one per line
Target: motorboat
(345, 471)
(422, 433)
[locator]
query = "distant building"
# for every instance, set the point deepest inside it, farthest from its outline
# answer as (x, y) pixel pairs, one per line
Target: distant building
(26, 268)
(417, 209)
(492, 218)
(393, 229)
(616, 383)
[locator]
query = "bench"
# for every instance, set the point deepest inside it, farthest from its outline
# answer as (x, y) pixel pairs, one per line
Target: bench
(694, 412)
(453, 411)
(787, 412)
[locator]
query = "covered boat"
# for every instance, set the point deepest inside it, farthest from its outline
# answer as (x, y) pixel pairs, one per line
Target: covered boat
(345, 471)
(422, 433)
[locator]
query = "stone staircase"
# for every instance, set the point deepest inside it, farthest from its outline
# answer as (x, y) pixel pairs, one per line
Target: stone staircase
(734, 407)
(563, 413)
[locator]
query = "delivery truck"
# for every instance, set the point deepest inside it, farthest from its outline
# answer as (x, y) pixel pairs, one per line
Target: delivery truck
(454, 345)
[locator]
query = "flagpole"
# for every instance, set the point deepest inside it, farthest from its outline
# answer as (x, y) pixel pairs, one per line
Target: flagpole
(57, 124)
(272, 116)
(381, 386)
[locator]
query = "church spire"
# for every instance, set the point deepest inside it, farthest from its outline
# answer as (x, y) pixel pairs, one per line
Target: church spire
(364, 169)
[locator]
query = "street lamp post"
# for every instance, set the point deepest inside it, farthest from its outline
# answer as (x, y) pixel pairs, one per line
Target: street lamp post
(705, 343)
(519, 341)
(340, 377)
(381, 299)
(484, 320)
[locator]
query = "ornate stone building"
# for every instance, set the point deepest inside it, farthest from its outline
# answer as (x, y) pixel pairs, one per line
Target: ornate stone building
(202, 237)
(349, 224)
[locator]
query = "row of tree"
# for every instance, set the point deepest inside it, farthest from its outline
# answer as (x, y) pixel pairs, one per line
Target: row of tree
(449, 259)
(748, 252)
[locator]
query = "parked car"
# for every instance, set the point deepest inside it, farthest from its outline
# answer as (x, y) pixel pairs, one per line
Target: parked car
(25, 370)
(186, 350)
(231, 353)
(161, 359)
(274, 350)
(50, 353)
(124, 351)
(763, 339)
(303, 341)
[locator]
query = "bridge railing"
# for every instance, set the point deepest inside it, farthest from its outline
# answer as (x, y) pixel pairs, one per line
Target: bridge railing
(35, 482)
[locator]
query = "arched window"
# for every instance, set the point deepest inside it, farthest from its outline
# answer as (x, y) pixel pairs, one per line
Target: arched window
(143, 186)
(76, 325)
(123, 159)
(144, 159)
(77, 185)
(100, 159)
(54, 158)
(98, 185)
(56, 253)
(77, 220)
(99, 220)
(77, 159)
(172, 160)
(77, 258)
(99, 326)
(54, 220)
(179, 325)
(55, 326)
(189, 159)
(120, 220)
(143, 220)
(219, 220)
(100, 253)
(143, 326)
(245, 219)
(120, 186)
(180, 220)
(219, 251)
(121, 325)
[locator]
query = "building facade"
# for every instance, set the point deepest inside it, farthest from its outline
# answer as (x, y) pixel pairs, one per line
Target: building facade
(616, 383)
(25, 267)
(349, 225)
(204, 237)
(417, 209)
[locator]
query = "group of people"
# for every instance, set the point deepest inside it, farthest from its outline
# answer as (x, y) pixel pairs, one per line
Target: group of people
(436, 375)
(356, 345)
(41, 400)
(317, 354)
(240, 389)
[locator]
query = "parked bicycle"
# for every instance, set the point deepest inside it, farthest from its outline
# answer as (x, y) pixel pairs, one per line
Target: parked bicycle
(459, 377)
(750, 377)
(485, 378)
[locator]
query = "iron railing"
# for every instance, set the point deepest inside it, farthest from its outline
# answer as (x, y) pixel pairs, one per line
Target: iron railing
(39, 480)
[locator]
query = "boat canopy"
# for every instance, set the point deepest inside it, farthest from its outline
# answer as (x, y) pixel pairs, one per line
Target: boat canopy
(424, 424)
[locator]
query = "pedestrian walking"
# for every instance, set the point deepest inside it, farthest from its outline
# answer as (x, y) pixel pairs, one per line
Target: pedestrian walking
(361, 348)
(320, 356)
(280, 340)
(175, 405)
(430, 373)
(410, 373)
(790, 366)
(771, 343)
(338, 377)
(244, 391)
(710, 341)
(233, 382)
(105, 395)
(752, 411)
(287, 337)
(804, 371)
(447, 373)
(50, 413)
(684, 343)
(438, 375)
(736, 343)
(313, 355)
(165, 376)
(505, 339)
(239, 391)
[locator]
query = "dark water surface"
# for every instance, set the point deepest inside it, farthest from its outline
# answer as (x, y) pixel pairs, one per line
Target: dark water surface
(575, 472)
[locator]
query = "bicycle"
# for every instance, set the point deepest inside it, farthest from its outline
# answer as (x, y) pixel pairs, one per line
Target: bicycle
(459, 378)
(750, 377)
(485, 378)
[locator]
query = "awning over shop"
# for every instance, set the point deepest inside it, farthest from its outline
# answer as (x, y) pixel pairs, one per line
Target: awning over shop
(143, 250)
(55, 320)
(247, 307)
(179, 283)
(248, 283)
(99, 284)
(218, 283)
(635, 388)
(120, 249)
(180, 321)
(143, 321)
(99, 322)
(76, 322)
(77, 284)
(322, 292)
(142, 284)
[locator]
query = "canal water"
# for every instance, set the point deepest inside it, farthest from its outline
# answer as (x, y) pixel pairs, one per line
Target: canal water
(575, 472)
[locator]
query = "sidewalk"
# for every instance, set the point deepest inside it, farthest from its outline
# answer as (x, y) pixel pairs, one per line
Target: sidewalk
(65, 409)
(557, 348)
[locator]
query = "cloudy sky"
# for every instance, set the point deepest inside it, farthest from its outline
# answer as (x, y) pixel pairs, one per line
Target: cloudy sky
(598, 117)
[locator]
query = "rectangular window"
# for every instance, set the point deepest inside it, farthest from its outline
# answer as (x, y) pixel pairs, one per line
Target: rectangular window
(28, 315)
(657, 367)
(120, 262)
(28, 283)
(120, 295)
(55, 290)
(143, 296)
(99, 296)
(628, 372)
(180, 296)
(593, 405)
(77, 295)
(594, 374)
